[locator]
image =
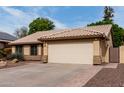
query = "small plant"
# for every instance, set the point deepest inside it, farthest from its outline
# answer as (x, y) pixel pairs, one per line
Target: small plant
(18, 56)
(2, 53)
(7, 51)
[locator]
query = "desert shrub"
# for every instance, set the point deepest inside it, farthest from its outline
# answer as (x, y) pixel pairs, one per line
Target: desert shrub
(18, 56)
(8, 51)
(2, 53)
(5, 52)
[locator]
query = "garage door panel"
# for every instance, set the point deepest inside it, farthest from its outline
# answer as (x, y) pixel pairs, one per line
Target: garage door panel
(73, 52)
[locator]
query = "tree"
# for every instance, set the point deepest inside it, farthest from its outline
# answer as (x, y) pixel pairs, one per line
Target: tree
(21, 32)
(117, 31)
(117, 35)
(40, 24)
(108, 13)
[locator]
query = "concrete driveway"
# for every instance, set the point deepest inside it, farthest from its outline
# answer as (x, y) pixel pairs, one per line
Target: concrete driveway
(47, 75)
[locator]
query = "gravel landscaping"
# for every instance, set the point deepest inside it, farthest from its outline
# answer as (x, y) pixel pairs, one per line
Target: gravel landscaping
(9, 65)
(108, 77)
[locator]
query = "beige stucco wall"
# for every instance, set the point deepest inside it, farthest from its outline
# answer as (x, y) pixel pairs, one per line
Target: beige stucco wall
(96, 49)
(13, 49)
(107, 55)
(27, 55)
(32, 58)
(105, 46)
(121, 49)
(104, 51)
(45, 49)
(40, 50)
(26, 51)
(109, 44)
(97, 52)
(45, 52)
(101, 49)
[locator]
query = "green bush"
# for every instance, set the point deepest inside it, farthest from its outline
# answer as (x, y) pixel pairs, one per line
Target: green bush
(2, 53)
(18, 56)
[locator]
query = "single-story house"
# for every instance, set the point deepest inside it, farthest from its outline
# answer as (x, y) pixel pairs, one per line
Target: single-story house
(5, 38)
(88, 45)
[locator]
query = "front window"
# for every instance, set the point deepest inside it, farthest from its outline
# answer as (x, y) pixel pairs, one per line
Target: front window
(19, 49)
(33, 50)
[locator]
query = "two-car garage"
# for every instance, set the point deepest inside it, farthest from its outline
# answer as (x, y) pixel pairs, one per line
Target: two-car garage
(75, 52)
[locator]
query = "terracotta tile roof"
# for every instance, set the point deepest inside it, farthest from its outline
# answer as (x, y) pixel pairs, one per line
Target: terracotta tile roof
(72, 34)
(86, 32)
(33, 38)
(100, 28)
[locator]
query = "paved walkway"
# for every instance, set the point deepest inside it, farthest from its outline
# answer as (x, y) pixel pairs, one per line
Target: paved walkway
(111, 65)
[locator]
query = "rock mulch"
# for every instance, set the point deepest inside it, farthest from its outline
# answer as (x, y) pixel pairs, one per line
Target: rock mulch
(108, 77)
(9, 65)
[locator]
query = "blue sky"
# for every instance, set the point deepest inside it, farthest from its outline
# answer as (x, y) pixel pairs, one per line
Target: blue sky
(12, 18)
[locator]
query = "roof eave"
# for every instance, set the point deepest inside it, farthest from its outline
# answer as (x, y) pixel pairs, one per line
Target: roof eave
(72, 38)
(25, 43)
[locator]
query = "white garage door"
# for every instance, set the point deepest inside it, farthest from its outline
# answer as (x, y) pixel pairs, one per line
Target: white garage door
(70, 52)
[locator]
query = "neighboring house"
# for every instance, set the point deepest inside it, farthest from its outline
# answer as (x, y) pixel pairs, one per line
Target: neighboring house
(5, 38)
(88, 45)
